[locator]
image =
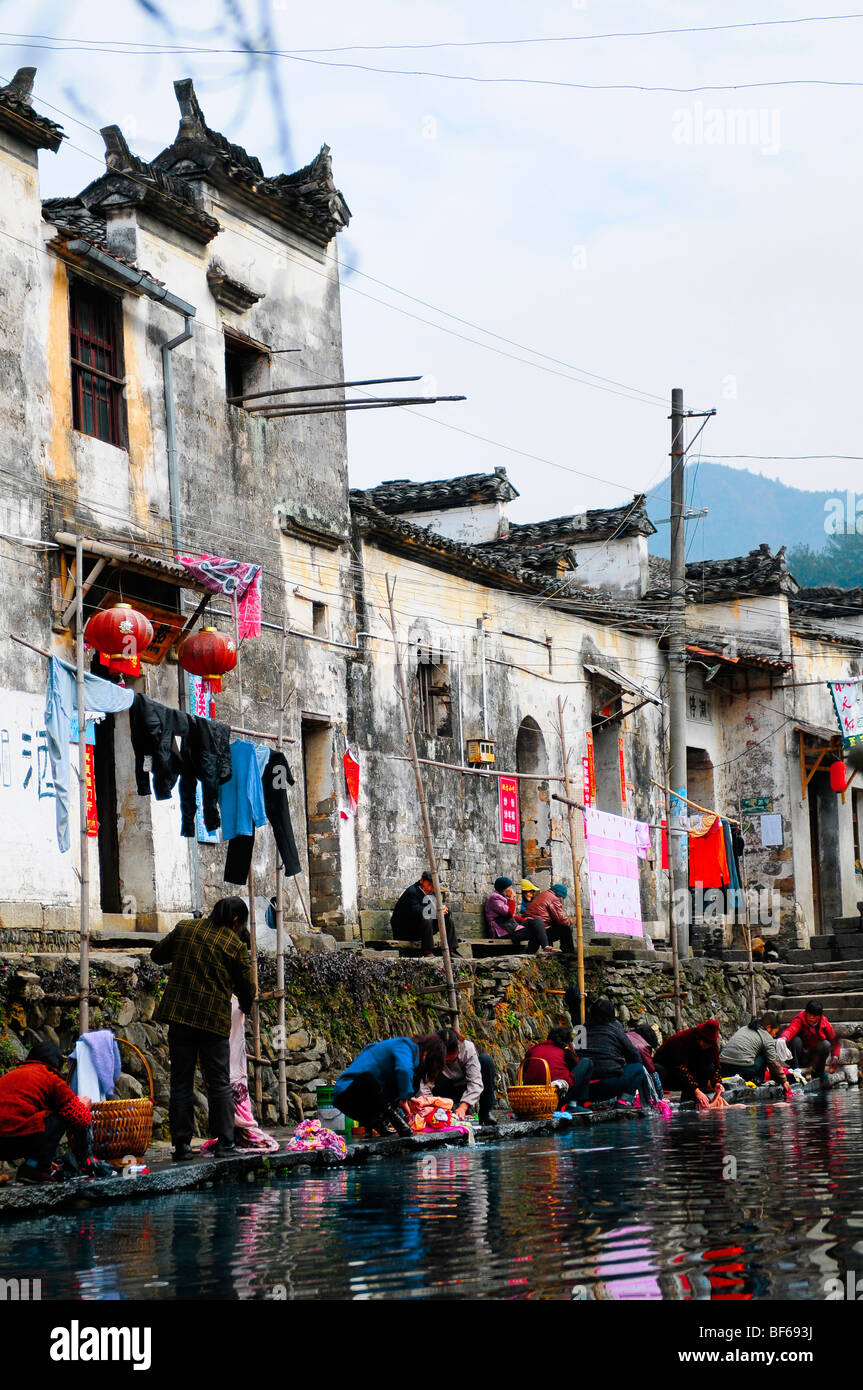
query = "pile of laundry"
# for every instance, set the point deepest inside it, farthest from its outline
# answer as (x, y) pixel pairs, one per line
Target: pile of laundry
(312, 1137)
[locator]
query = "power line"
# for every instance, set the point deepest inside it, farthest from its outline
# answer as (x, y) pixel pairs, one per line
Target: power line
(162, 47)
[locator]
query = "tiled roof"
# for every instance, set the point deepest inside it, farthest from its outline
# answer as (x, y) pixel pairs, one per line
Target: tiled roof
(710, 581)
(18, 115)
(308, 199)
(499, 571)
(75, 222)
(599, 523)
(829, 601)
(552, 557)
(402, 495)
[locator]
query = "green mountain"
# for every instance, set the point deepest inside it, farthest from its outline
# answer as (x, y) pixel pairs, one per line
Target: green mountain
(744, 509)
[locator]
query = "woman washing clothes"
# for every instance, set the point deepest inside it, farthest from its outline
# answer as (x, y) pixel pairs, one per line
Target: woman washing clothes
(689, 1062)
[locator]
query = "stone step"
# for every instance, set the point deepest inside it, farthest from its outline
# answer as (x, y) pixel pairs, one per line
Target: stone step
(848, 1021)
(846, 923)
(832, 1002)
(834, 972)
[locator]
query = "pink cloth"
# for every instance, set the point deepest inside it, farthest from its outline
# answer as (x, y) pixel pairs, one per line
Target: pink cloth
(235, 579)
(247, 1135)
(612, 861)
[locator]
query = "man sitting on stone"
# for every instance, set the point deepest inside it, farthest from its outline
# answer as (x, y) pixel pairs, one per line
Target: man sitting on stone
(812, 1039)
(547, 907)
(36, 1109)
(415, 916)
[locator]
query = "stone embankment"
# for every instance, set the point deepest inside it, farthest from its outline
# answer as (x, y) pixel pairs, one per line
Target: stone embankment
(337, 1003)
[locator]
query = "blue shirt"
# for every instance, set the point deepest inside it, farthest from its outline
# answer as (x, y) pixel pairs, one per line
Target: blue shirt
(393, 1065)
(241, 801)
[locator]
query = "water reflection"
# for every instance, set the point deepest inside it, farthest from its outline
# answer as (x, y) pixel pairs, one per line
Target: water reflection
(758, 1203)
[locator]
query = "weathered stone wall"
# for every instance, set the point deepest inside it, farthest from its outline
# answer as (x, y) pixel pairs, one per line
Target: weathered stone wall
(339, 1002)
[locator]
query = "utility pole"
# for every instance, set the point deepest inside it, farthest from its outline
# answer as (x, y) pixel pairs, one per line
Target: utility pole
(678, 848)
(678, 843)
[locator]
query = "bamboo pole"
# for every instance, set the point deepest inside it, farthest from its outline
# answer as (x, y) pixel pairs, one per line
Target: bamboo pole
(747, 931)
(576, 863)
(84, 875)
(452, 998)
(280, 924)
(256, 1006)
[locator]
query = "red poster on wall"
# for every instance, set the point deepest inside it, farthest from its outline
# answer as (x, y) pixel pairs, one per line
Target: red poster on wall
(585, 779)
(622, 774)
(92, 817)
(591, 769)
(507, 790)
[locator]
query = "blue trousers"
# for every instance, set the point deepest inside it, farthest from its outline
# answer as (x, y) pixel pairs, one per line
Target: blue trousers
(633, 1078)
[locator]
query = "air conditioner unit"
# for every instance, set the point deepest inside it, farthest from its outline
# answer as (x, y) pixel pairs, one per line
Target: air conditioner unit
(481, 750)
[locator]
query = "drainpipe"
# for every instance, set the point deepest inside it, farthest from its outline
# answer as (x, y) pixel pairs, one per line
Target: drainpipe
(145, 284)
(170, 428)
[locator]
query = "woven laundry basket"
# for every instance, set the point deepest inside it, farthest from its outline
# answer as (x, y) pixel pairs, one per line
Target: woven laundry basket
(123, 1127)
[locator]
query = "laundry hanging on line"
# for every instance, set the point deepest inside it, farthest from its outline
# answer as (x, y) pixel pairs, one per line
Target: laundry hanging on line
(61, 700)
(234, 579)
(272, 784)
(202, 755)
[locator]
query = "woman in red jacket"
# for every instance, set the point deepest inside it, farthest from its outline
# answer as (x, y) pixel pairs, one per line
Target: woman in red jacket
(689, 1062)
(36, 1109)
(564, 1068)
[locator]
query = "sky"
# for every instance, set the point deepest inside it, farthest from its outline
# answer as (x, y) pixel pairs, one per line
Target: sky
(592, 248)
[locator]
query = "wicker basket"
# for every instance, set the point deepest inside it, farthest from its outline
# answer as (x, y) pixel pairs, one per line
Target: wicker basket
(123, 1127)
(533, 1102)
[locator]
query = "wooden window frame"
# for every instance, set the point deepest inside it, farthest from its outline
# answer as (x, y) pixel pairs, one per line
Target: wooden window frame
(96, 362)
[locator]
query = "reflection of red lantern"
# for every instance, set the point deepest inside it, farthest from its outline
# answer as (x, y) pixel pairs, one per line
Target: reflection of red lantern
(119, 634)
(838, 777)
(210, 654)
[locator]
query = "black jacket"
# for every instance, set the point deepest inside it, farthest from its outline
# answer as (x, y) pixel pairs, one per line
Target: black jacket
(408, 912)
(155, 729)
(206, 758)
(609, 1049)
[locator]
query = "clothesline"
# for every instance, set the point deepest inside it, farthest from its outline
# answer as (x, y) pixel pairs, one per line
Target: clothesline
(250, 733)
(694, 804)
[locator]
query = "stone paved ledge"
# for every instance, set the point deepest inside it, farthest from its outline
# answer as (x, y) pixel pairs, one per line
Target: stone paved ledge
(18, 1201)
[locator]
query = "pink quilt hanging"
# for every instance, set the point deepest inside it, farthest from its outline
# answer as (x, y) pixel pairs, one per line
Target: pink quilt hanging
(612, 861)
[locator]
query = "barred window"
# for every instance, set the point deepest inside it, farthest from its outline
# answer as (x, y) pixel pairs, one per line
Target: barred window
(97, 366)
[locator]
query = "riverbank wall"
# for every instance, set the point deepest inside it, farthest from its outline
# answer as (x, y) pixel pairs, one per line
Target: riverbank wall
(337, 1003)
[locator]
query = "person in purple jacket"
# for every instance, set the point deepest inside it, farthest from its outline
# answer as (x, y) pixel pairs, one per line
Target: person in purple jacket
(502, 921)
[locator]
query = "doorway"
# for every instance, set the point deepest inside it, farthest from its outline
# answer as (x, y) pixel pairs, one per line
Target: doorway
(531, 757)
(322, 820)
(105, 782)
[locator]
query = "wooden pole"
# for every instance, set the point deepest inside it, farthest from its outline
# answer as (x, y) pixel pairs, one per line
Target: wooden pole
(256, 1007)
(452, 998)
(280, 925)
(576, 864)
(84, 875)
(747, 931)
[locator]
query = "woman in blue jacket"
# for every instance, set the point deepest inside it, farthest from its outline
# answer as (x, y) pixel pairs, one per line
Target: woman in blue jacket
(385, 1075)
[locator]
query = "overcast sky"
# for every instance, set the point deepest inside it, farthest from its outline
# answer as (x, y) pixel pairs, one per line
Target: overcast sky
(709, 240)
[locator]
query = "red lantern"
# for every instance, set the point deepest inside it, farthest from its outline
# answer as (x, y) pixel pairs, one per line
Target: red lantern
(838, 777)
(210, 654)
(119, 634)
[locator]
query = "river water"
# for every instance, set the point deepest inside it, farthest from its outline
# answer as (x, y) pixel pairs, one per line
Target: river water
(760, 1203)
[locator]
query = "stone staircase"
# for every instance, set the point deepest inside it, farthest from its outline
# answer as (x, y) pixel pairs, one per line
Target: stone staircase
(832, 971)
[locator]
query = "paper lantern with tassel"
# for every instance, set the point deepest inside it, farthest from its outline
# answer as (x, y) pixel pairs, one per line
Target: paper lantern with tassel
(209, 654)
(119, 635)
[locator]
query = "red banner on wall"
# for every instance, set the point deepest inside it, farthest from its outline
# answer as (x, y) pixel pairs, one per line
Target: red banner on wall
(585, 780)
(90, 772)
(591, 769)
(622, 774)
(507, 790)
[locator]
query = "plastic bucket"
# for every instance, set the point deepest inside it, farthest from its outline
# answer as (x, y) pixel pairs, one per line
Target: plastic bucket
(324, 1096)
(331, 1118)
(851, 1073)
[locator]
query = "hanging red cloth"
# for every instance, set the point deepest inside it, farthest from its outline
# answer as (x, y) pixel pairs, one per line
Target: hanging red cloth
(352, 781)
(708, 862)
